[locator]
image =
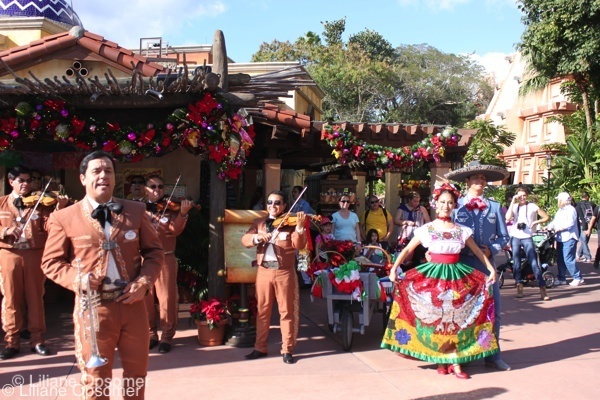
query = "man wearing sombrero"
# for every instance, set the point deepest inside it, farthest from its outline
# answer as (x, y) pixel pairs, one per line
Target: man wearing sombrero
(486, 219)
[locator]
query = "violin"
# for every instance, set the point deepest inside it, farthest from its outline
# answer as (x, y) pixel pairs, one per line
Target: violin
(173, 205)
(292, 220)
(48, 199)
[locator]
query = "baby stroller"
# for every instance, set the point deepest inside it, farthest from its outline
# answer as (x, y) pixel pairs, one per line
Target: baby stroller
(544, 246)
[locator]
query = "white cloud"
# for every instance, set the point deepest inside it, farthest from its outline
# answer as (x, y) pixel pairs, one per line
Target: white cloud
(494, 63)
(128, 21)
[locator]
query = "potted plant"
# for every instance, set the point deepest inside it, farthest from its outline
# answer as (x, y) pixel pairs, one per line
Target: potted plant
(210, 317)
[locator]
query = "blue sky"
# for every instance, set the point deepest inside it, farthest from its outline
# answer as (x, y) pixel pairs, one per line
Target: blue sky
(488, 28)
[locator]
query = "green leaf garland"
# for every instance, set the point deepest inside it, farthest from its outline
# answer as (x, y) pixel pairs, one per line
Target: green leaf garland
(348, 147)
(204, 127)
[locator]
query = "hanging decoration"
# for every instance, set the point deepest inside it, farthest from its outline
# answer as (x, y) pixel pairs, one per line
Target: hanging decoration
(204, 127)
(348, 148)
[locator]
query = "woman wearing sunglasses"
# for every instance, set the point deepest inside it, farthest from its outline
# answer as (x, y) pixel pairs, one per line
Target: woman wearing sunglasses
(169, 224)
(345, 222)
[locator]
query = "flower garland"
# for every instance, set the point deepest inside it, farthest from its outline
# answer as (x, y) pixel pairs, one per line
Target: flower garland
(204, 127)
(348, 147)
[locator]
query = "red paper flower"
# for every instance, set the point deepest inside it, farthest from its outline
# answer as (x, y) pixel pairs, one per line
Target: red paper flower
(212, 311)
(218, 152)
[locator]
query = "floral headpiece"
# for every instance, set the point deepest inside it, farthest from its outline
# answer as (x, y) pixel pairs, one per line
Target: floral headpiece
(446, 187)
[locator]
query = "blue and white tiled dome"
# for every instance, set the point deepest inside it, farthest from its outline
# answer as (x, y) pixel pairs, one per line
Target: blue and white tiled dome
(55, 10)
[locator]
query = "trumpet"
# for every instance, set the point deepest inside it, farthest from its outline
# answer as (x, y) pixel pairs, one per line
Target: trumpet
(88, 312)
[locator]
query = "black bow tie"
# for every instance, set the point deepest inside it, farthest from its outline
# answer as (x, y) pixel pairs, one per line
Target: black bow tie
(102, 212)
(152, 207)
(18, 202)
(269, 223)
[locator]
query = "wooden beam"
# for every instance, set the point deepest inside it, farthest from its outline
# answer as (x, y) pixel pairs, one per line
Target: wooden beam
(218, 192)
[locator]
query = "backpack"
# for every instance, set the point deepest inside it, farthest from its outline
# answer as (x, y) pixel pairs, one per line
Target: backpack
(385, 215)
(585, 212)
(588, 211)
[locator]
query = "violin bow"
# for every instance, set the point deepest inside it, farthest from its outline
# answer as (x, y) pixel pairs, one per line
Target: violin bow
(276, 231)
(170, 197)
(36, 205)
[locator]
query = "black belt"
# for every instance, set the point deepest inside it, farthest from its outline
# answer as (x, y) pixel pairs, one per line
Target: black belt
(271, 264)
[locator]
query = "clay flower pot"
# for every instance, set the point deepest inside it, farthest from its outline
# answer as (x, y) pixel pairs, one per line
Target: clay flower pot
(211, 337)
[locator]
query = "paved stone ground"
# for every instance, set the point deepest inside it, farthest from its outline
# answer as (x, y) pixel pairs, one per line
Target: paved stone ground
(553, 348)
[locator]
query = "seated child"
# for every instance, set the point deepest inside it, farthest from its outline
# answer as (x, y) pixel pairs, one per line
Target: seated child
(374, 255)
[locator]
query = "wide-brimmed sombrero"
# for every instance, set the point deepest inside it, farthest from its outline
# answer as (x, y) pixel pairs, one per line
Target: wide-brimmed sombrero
(492, 172)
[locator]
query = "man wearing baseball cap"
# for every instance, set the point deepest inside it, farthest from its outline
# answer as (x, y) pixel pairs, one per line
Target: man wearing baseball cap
(565, 225)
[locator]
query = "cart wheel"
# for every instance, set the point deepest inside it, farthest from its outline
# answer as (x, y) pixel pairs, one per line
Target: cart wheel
(501, 280)
(549, 278)
(347, 323)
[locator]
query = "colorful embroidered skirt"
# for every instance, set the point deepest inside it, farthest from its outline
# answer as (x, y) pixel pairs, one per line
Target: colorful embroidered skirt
(442, 313)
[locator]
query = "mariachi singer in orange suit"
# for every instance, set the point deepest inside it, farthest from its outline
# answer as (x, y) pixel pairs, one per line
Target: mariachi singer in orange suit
(276, 278)
(115, 244)
(21, 278)
(169, 223)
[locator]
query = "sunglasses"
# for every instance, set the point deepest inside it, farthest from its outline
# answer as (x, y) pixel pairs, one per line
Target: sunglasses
(375, 202)
(36, 178)
(116, 282)
(344, 201)
(156, 186)
(137, 182)
(274, 202)
(19, 180)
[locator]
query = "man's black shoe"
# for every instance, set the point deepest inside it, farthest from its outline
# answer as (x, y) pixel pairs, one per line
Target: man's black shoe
(255, 354)
(153, 343)
(8, 352)
(25, 334)
(41, 349)
(288, 358)
(164, 348)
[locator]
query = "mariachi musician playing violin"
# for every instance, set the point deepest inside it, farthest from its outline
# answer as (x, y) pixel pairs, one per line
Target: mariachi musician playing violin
(22, 240)
(276, 278)
(169, 219)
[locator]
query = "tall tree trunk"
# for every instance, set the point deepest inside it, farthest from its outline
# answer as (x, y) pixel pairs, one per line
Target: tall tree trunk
(582, 84)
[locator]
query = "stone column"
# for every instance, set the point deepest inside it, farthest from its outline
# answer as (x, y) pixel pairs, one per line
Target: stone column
(361, 190)
(271, 175)
(392, 200)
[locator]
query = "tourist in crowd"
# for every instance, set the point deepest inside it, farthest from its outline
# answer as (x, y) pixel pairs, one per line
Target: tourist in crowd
(377, 217)
(409, 217)
(525, 217)
(567, 235)
(345, 222)
(585, 213)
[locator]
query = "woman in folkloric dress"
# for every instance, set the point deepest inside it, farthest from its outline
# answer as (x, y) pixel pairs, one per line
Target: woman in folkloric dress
(443, 310)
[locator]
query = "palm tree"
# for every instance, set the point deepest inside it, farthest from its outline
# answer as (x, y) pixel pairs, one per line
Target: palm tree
(488, 143)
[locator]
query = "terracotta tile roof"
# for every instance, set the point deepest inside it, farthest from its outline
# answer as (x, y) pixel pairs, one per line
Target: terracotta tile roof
(391, 134)
(49, 46)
